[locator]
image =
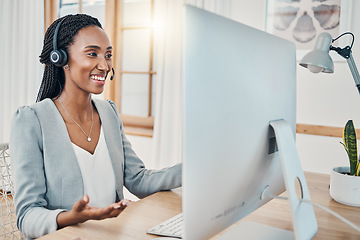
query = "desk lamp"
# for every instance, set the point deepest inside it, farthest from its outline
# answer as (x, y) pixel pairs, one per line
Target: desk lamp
(319, 60)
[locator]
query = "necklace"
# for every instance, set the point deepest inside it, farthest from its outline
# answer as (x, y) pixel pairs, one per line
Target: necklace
(88, 136)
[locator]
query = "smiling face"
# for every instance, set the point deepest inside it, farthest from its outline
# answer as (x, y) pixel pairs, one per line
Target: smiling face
(89, 61)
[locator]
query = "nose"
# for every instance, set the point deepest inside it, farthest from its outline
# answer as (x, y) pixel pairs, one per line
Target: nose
(103, 65)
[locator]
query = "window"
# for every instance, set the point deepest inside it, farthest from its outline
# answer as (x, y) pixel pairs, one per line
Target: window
(133, 90)
(95, 8)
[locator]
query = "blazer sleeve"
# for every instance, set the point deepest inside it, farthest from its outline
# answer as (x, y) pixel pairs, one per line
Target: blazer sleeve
(141, 181)
(33, 218)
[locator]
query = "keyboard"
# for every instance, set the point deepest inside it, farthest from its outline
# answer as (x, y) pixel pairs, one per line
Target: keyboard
(172, 227)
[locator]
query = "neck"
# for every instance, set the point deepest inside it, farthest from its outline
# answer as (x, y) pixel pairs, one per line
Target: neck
(78, 106)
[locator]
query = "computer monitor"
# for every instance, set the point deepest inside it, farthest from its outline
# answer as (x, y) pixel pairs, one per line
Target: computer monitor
(237, 80)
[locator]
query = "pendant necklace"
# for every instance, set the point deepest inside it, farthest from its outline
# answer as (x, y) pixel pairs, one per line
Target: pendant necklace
(88, 136)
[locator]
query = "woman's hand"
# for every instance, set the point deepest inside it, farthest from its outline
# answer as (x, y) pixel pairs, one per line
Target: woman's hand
(82, 212)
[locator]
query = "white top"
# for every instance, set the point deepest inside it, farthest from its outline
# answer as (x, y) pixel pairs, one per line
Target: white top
(97, 172)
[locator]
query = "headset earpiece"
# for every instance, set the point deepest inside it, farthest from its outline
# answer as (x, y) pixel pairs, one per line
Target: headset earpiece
(58, 57)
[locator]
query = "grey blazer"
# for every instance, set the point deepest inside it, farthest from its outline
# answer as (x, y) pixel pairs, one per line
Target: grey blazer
(47, 176)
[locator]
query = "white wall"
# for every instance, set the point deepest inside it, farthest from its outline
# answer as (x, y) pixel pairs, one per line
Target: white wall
(322, 99)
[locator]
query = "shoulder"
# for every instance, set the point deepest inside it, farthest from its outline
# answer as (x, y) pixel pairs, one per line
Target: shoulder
(113, 106)
(102, 102)
(25, 126)
(32, 111)
(108, 111)
(106, 105)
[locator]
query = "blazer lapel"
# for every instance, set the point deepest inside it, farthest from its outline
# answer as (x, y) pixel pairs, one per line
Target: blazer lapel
(60, 160)
(110, 125)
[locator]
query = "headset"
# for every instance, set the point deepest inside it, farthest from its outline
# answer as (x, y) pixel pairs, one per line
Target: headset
(113, 74)
(59, 57)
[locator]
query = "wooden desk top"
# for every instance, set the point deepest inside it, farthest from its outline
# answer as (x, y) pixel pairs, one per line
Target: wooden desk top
(148, 212)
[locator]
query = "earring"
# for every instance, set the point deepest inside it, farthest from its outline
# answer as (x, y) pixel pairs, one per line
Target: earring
(66, 67)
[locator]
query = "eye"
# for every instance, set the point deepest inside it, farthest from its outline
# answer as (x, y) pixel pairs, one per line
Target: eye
(92, 54)
(108, 56)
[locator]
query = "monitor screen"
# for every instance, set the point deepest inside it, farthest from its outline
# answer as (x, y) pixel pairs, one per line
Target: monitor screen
(236, 80)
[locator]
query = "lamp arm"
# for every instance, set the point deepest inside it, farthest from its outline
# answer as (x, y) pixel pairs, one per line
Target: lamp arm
(354, 71)
(347, 54)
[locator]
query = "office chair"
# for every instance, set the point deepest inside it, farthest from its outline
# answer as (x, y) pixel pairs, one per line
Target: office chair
(8, 229)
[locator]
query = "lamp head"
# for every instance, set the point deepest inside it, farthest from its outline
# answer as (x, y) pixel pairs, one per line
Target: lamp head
(319, 60)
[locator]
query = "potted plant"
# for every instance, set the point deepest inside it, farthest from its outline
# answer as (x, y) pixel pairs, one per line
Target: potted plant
(345, 181)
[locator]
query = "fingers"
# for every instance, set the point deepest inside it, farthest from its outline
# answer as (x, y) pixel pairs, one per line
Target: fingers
(125, 202)
(90, 212)
(81, 204)
(122, 204)
(85, 199)
(84, 202)
(115, 209)
(107, 212)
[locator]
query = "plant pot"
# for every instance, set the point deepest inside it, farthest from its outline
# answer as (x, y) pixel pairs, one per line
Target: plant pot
(345, 188)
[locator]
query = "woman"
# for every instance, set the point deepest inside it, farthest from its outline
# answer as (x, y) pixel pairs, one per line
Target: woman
(70, 155)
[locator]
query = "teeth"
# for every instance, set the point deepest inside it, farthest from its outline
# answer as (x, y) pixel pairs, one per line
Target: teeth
(98, 78)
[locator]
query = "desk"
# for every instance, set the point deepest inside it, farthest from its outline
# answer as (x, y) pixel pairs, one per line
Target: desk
(148, 212)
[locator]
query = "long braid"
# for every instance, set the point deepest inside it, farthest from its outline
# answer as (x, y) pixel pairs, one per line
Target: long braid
(54, 77)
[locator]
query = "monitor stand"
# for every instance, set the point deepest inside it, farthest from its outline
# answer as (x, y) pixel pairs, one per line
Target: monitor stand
(303, 217)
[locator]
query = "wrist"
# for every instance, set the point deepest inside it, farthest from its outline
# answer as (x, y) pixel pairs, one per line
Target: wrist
(68, 218)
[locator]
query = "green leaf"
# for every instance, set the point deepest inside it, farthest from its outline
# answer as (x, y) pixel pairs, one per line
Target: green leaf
(357, 171)
(345, 148)
(351, 145)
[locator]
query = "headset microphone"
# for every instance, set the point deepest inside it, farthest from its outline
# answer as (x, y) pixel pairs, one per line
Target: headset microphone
(112, 77)
(58, 57)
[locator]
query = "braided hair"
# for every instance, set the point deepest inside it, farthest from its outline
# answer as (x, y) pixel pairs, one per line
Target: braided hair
(54, 77)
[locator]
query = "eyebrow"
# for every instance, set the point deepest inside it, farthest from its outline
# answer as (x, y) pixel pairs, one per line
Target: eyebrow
(97, 47)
